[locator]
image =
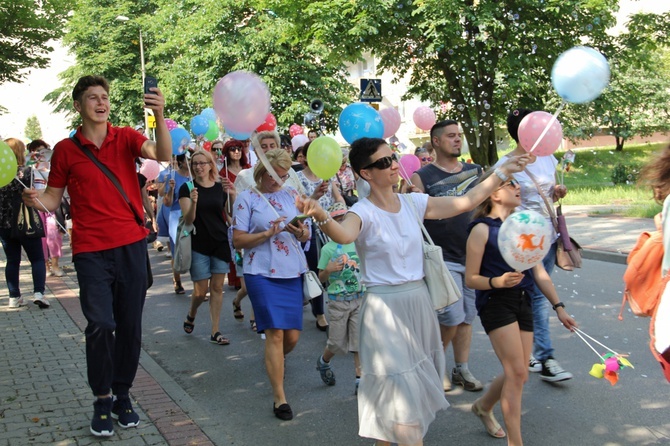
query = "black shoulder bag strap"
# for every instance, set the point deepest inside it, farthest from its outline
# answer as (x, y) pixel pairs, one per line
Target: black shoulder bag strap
(111, 177)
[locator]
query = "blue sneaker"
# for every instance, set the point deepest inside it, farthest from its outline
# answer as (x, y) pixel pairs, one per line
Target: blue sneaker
(102, 424)
(327, 374)
(123, 413)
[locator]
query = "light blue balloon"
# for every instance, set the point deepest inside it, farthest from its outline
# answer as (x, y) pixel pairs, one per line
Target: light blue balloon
(240, 136)
(73, 132)
(580, 74)
(199, 125)
(180, 140)
(359, 120)
(209, 114)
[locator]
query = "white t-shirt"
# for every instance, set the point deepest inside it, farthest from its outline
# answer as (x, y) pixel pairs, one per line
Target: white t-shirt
(544, 172)
(390, 245)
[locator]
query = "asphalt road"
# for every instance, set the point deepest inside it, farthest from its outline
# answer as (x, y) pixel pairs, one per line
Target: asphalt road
(225, 388)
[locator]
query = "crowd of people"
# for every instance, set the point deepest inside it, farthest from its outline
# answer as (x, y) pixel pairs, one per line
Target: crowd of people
(264, 219)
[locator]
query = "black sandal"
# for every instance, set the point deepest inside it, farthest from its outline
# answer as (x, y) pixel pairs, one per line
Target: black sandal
(283, 412)
(219, 339)
(237, 311)
(253, 324)
(189, 325)
(178, 289)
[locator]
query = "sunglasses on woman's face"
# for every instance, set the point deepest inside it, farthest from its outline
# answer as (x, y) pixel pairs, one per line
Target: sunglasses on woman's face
(512, 183)
(235, 149)
(427, 159)
(383, 163)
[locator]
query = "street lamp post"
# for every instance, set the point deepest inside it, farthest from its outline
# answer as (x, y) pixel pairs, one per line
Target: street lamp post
(123, 18)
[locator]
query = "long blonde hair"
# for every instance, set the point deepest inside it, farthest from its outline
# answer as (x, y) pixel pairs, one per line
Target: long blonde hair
(213, 172)
(19, 149)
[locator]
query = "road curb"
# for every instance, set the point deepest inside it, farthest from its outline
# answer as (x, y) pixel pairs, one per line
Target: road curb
(604, 256)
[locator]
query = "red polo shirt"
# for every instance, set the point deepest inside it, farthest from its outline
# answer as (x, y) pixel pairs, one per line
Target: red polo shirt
(101, 219)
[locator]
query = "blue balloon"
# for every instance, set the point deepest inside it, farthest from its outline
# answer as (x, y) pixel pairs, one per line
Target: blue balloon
(199, 125)
(73, 132)
(180, 140)
(359, 120)
(240, 136)
(209, 114)
(580, 74)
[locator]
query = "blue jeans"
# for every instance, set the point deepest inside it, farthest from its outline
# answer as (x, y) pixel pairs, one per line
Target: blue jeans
(33, 248)
(542, 348)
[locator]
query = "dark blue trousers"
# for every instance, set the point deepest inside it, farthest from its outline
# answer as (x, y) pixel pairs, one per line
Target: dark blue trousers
(33, 248)
(112, 287)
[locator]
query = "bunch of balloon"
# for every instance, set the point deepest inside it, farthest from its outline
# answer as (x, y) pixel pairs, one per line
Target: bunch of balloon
(241, 101)
(8, 164)
(298, 141)
(540, 133)
(580, 74)
(408, 164)
(150, 169)
(360, 120)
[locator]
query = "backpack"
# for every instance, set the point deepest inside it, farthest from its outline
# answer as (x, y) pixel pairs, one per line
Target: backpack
(643, 283)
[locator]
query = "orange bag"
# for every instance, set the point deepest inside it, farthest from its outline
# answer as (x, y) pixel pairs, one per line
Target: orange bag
(642, 279)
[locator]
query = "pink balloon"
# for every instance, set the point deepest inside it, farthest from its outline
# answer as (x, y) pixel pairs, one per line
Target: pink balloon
(391, 119)
(408, 165)
(242, 101)
(295, 129)
(424, 117)
(171, 125)
(532, 126)
(150, 169)
(298, 141)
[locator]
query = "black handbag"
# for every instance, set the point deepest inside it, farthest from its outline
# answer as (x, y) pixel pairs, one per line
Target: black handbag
(115, 181)
(27, 222)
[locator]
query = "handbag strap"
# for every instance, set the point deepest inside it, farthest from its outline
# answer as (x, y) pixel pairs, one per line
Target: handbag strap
(302, 257)
(416, 214)
(550, 207)
(108, 173)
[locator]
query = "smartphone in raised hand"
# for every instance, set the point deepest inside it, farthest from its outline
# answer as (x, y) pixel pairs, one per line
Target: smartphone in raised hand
(149, 82)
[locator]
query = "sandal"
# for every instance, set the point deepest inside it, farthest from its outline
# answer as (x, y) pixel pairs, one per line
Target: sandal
(253, 324)
(219, 339)
(189, 325)
(178, 289)
(491, 425)
(237, 311)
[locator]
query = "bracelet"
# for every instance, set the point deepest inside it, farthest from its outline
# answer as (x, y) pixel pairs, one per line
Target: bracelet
(500, 174)
(491, 283)
(557, 306)
(321, 223)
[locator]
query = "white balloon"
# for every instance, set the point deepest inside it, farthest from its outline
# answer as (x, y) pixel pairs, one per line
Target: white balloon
(580, 74)
(524, 239)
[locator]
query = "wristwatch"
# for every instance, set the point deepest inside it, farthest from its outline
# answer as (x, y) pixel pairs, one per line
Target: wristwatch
(559, 304)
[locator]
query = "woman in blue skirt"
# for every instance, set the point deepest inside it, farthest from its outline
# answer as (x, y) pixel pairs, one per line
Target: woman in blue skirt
(273, 265)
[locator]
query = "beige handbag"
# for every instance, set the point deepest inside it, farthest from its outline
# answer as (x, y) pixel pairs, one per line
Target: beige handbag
(441, 285)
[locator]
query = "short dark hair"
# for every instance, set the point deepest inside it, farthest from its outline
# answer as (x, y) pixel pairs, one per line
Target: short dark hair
(36, 144)
(439, 126)
(88, 81)
(285, 141)
(300, 150)
(313, 131)
(361, 151)
(514, 119)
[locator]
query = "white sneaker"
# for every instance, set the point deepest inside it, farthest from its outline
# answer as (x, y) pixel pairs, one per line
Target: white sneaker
(56, 272)
(553, 372)
(41, 301)
(16, 302)
(534, 365)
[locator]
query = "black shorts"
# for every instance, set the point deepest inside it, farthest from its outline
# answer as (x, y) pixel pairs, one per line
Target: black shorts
(506, 306)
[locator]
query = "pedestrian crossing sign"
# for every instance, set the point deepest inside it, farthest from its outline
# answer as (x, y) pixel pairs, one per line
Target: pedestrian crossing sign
(371, 90)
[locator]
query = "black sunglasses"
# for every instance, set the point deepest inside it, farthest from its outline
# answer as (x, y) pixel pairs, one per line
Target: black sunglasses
(383, 163)
(235, 149)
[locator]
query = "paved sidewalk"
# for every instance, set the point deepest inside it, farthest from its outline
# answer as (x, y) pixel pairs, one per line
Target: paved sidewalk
(45, 398)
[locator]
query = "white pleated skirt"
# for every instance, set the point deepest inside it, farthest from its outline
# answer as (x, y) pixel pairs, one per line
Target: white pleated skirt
(402, 364)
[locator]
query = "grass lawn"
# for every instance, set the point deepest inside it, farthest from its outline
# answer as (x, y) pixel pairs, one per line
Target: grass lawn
(589, 180)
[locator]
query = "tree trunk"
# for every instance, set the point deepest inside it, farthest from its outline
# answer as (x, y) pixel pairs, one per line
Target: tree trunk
(619, 143)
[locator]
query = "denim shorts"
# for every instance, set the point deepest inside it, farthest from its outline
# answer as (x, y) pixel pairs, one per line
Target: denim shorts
(202, 266)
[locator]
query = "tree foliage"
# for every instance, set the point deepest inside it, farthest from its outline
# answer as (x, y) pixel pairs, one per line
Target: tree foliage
(26, 27)
(189, 46)
(33, 130)
(484, 57)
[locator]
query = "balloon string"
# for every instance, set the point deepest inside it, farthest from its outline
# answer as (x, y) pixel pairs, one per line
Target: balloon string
(225, 164)
(546, 128)
(271, 170)
(590, 346)
(594, 340)
(45, 208)
(402, 168)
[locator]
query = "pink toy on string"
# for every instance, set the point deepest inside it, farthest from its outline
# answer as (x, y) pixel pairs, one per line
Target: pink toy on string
(611, 362)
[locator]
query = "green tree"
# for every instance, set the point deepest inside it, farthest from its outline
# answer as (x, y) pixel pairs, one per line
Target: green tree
(189, 46)
(484, 57)
(26, 27)
(33, 129)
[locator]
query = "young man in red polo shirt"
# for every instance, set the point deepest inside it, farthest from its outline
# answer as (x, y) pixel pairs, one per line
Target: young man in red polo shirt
(108, 245)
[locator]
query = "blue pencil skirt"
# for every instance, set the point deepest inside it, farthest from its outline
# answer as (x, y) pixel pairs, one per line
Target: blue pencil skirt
(277, 302)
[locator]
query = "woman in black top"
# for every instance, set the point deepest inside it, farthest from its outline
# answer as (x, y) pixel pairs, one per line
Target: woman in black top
(202, 204)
